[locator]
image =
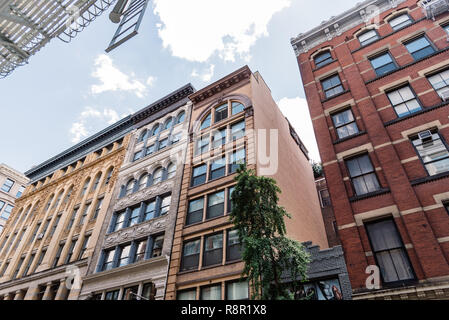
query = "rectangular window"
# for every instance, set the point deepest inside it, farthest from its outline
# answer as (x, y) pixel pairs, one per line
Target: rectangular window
(368, 37)
(213, 250)
(237, 290)
(211, 292)
(238, 130)
(345, 124)
(149, 291)
(221, 112)
(30, 261)
(2, 203)
(124, 256)
(332, 86)
(186, 295)
(383, 64)
(440, 82)
(20, 191)
(97, 208)
(7, 212)
(137, 155)
(202, 145)
(130, 293)
(230, 204)
(219, 138)
(118, 221)
(237, 158)
(150, 150)
(400, 22)
(58, 255)
(72, 218)
(163, 143)
(433, 153)
(191, 255)
(85, 213)
(70, 253)
(141, 250)
(158, 243)
(362, 175)
(325, 198)
(39, 262)
(112, 295)
(199, 175)
(108, 260)
(84, 247)
(215, 205)
(323, 59)
(55, 225)
(7, 185)
(446, 205)
(419, 48)
(237, 107)
(165, 205)
(150, 211)
(195, 213)
(233, 246)
(19, 265)
(389, 251)
(134, 216)
(404, 101)
(217, 169)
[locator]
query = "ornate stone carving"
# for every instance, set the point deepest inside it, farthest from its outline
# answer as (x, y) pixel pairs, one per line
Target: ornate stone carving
(143, 195)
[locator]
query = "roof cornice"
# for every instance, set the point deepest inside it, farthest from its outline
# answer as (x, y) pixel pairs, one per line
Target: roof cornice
(222, 84)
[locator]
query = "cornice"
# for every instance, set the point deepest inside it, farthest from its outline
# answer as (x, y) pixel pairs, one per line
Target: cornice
(12, 173)
(220, 85)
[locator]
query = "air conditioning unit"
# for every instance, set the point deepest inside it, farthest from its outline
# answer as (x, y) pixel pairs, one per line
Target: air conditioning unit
(40, 236)
(445, 95)
(425, 136)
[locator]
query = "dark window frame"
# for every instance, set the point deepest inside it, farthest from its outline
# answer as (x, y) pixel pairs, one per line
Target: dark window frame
(445, 144)
(205, 264)
(402, 25)
(414, 94)
(373, 172)
(370, 40)
(393, 62)
(325, 61)
(431, 45)
(332, 115)
(325, 91)
(182, 266)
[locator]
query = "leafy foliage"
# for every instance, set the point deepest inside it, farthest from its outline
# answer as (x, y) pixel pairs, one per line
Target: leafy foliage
(268, 254)
(317, 170)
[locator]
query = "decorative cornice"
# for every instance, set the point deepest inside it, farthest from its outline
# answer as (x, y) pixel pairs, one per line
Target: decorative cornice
(220, 85)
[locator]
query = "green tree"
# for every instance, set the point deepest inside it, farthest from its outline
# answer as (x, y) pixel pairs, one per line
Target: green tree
(317, 170)
(267, 253)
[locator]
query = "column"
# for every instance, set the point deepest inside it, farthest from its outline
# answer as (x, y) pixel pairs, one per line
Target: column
(19, 295)
(47, 293)
(62, 291)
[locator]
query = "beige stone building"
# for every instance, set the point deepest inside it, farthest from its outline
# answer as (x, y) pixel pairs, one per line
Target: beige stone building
(131, 258)
(235, 120)
(50, 237)
(13, 184)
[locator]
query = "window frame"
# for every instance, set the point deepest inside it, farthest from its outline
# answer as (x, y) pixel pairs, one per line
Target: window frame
(445, 144)
(182, 266)
(383, 53)
(8, 187)
(332, 115)
(220, 234)
(324, 62)
(433, 74)
(325, 91)
(396, 28)
(416, 38)
(369, 40)
(404, 102)
(373, 172)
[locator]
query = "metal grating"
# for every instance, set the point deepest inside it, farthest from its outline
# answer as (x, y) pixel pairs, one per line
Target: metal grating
(433, 8)
(28, 25)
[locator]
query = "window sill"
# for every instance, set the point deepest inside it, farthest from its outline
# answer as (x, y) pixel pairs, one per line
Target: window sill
(361, 133)
(430, 178)
(407, 65)
(369, 195)
(333, 97)
(415, 114)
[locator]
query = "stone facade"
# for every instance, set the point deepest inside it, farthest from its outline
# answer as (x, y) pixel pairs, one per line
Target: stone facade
(12, 186)
(138, 188)
(366, 64)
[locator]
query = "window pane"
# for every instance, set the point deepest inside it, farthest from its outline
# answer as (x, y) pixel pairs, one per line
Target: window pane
(165, 205)
(237, 290)
(150, 210)
(218, 169)
(157, 176)
(238, 130)
(195, 211)
(213, 250)
(323, 59)
(237, 107)
(368, 37)
(186, 295)
(381, 60)
(211, 293)
(199, 175)
(383, 235)
(221, 112)
(215, 205)
(400, 22)
(206, 122)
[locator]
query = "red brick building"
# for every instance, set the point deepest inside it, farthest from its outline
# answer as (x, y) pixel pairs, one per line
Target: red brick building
(376, 79)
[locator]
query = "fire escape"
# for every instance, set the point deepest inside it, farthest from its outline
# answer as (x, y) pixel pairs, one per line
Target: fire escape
(433, 8)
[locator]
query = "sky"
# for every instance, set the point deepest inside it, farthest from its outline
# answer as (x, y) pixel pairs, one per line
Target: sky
(68, 92)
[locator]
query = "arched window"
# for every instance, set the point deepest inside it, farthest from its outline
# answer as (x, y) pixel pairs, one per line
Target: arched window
(49, 202)
(206, 122)
(400, 21)
(58, 199)
(323, 59)
(167, 124)
(143, 135)
(368, 37)
(129, 187)
(221, 112)
(108, 176)
(155, 130)
(96, 181)
(181, 117)
(143, 180)
(86, 185)
(237, 107)
(157, 175)
(171, 170)
(69, 193)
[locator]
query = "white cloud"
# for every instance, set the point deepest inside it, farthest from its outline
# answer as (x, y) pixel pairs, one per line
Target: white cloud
(112, 79)
(91, 120)
(206, 75)
(150, 81)
(229, 28)
(297, 112)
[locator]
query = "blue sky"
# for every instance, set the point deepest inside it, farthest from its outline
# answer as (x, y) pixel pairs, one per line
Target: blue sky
(69, 91)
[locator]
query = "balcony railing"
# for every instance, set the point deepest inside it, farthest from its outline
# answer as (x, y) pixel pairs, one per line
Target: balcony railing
(433, 8)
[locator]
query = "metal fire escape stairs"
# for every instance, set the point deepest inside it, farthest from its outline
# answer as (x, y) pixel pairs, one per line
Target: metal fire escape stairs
(433, 8)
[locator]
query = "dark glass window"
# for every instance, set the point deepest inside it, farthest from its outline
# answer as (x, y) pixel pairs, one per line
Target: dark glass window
(72, 218)
(199, 175)
(165, 205)
(323, 59)
(221, 112)
(191, 255)
(70, 252)
(84, 215)
(150, 150)
(446, 205)
(155, 130)
(332, 86)
(238, 130)
(141, 250)
(362, 175)
(112, 295)
(119, 221)
(237, 107)
(419, 48)
(215, 205)
(213, 250)
(150, 211)
(218, 168)
(130, 293)
(219, 138)
(134, 217)
(86, 185)
(143, 181)
(143, 136)
(195, 213)
(58, 255)
(149, 291)
(325, 198)
(400, 21)
(433, 153)
(7, 185)
(158, 243)
(233, 247)
(211, 292)
(137, 155)
(167, 124)
(345, 124)
(440, 82)
(123, 259)
(27, 268)
(368, 37)
(181, 117)
(202, 145)
(237, 158)
(163, 143)
(84, 247)
(404, 101)
(206, 122)
(383, 64)
(389, 251)
(230, 205)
